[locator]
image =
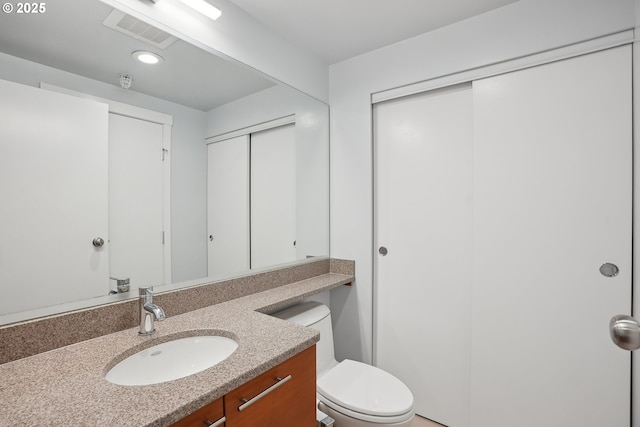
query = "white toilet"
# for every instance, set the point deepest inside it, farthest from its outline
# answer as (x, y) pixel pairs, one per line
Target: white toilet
(354, 394)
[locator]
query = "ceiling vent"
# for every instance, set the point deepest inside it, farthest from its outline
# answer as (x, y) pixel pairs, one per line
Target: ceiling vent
(139, 30)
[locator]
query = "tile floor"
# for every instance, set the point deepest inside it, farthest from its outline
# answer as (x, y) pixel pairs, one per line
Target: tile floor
(423, 422)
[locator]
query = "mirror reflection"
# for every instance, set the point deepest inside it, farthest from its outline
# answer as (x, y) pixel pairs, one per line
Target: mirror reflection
(119, 173)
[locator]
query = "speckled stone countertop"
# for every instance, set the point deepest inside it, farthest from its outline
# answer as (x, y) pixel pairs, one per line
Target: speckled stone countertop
(66, 386)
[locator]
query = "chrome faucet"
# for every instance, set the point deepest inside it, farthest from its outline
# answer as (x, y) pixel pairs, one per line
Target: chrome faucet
(148, 311)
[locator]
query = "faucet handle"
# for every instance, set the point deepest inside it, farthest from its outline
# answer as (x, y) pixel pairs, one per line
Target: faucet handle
(122, 283)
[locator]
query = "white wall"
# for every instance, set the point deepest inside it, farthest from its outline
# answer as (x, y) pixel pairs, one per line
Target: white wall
(522, 28)
(188, 198)
(188, 156)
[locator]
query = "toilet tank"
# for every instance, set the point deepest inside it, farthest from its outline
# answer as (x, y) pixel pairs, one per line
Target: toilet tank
(316, 316)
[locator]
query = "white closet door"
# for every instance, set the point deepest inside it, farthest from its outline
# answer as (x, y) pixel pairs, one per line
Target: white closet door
(53, 198)
(136, 201)
(552, 185)
(423, 168)
(273, 201)
(228, 206)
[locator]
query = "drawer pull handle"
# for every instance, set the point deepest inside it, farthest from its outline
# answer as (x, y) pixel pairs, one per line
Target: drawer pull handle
(215, 423)
(253, 400)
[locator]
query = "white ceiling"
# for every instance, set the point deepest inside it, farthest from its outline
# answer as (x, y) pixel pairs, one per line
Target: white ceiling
(335, 30)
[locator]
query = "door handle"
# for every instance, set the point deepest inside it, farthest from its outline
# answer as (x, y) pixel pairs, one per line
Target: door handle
(218, 423)
(625, 332)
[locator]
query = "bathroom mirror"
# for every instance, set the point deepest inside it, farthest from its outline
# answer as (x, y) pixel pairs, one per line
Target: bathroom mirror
(84, 50)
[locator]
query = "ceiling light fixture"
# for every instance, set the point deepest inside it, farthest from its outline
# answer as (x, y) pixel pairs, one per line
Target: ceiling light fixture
(204, 7)
(147, 57)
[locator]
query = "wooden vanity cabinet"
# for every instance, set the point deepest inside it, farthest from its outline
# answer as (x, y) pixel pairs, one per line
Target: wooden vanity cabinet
(284, 396)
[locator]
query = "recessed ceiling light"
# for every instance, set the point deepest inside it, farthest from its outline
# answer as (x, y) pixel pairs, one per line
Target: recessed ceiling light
(147, 57)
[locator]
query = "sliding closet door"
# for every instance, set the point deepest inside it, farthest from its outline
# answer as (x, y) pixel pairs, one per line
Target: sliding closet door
(423, 193)
(552, 203)
(228, 206)
(273, 196)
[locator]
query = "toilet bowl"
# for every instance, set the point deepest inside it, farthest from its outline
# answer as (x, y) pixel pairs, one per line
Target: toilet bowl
(353, 393)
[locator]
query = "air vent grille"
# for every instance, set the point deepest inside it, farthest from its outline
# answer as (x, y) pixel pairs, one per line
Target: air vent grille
(139, 30)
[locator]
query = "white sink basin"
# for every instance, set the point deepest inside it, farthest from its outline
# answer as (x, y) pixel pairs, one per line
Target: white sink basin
(172, 360)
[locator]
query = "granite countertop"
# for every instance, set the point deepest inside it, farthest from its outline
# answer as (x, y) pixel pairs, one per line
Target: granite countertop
(66, 386)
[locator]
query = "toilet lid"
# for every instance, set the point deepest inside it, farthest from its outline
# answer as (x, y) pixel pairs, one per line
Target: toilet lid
(365, 389)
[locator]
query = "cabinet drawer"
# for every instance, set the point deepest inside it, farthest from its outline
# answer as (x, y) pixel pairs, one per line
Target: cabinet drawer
(281, 397)
(211, 414)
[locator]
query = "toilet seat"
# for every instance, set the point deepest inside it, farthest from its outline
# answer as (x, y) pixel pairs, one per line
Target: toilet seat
(365, 392)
